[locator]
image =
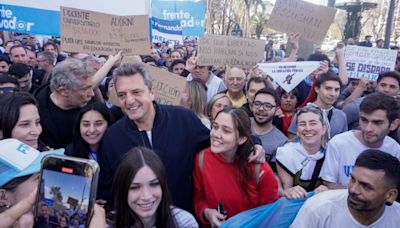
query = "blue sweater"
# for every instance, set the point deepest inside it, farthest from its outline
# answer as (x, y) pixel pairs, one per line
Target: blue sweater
(177, 135)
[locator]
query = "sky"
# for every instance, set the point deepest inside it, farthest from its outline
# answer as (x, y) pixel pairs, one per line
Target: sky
(71, 185)
(319, 2)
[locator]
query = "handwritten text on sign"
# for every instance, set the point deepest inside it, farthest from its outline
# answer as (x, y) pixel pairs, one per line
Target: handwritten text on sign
(92, 32)
(295, 16)
(232, 51)
(167, 87)
(368, 62)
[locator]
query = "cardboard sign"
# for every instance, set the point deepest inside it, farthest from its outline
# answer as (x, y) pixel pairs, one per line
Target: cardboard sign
(295, 16)
(227, 50)
(167, 86)
(289, 74)
(99, 33)
(368, 62)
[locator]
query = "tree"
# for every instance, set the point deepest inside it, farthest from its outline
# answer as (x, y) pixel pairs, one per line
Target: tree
(57, 195)
(259, 20)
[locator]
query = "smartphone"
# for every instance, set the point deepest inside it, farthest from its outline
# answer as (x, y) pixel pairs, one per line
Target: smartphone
(67, 192)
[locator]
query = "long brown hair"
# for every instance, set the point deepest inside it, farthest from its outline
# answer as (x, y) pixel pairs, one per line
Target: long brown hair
(129, 165)
(241, 122)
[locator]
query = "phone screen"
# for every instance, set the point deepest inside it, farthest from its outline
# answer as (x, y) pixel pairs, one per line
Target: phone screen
(65, 194)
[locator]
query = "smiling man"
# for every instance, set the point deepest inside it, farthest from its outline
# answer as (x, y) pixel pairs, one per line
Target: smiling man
(378, 113)
(264, 108)
(369, 200)
(327, 88)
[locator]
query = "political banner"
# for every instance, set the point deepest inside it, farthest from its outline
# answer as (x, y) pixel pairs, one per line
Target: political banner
(295, 16)
(289, 74)
(28, 20)
(163, 30)
(99, 33)
(368, 62)
(228, 50)
(43, 16)
(117, 7)
(191, 13)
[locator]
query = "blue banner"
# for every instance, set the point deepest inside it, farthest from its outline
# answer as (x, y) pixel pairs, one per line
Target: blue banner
(29, 20)
(191, 13)
(163, 30)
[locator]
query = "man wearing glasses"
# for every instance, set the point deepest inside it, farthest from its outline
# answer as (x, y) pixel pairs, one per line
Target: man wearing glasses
(264, 108)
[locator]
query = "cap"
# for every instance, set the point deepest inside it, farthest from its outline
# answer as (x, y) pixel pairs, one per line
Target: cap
(18, 159)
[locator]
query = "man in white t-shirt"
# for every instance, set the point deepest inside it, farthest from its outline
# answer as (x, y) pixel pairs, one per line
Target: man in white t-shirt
(378, 113)
(368, 202)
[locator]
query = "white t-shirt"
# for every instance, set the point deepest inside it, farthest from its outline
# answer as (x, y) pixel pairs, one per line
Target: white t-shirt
(329, 209)
(342, 152)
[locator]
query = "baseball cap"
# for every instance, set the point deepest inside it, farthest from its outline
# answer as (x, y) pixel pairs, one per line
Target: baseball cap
(18, 159)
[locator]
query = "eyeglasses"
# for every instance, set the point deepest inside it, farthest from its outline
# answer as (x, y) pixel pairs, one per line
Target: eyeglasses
(266, 106)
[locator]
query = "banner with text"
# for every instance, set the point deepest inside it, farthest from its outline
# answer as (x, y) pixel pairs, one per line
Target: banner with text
(295, 16)
(29, 20)
(43, 16)
(228, 50)
(191, 13)
(163, 30)
(289, 74)
(368, 62)
(105, 34)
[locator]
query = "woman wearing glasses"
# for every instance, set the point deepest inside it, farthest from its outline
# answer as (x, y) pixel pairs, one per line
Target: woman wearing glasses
(225, 182)
(299, 162)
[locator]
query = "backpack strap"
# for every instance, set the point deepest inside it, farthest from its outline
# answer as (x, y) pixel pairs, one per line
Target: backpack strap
(201, 160)
(257, 173)
(315, 175)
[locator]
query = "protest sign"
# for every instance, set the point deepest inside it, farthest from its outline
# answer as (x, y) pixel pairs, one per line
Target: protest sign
(27, 20)
(368, 62)
(289, 74)
(43, 16)
(295, 16)
(92, 32)
(228, 50)
(167, 86)
(191, 13)
(163, 30)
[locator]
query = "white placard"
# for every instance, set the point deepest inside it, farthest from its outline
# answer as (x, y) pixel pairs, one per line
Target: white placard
(289, 74)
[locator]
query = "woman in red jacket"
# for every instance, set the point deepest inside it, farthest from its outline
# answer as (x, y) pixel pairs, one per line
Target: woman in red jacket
(223, 175)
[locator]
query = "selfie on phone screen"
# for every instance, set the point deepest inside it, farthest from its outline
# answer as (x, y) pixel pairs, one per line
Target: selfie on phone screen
(65, 193)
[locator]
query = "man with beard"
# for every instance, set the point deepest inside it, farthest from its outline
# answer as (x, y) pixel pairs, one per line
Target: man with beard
(378, 113)
(327, 88)
(369, 200)
(264, 108)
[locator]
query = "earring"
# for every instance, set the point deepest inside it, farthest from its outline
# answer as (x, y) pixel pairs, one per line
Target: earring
(4, 203)
(388, 203)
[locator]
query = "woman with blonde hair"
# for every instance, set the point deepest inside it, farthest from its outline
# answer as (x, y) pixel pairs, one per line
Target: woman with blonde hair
(299, 162)
(216, 104)
(195, 98)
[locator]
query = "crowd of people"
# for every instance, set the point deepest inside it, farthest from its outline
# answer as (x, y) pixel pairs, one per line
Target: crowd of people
(236, 142)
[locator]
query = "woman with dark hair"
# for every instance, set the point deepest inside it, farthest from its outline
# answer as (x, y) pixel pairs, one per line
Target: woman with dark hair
(140, 194)
(90, 125)
(19, 119)
(223, 175)
(299, 163)
(289, 103)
